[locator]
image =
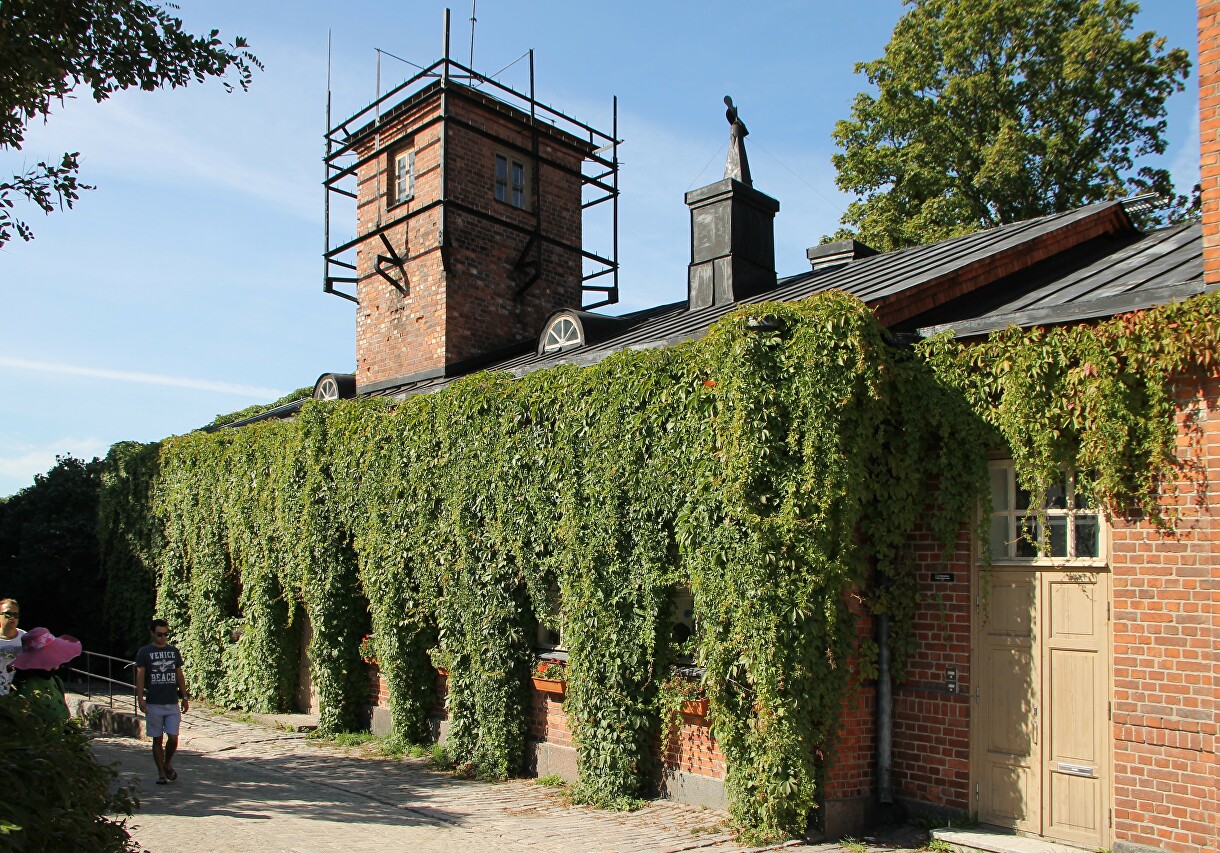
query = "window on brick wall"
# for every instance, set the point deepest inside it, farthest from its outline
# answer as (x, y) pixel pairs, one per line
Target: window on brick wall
(402, 175)
(1074, 529)
(511, 179)
(550, 638)
(682, 624)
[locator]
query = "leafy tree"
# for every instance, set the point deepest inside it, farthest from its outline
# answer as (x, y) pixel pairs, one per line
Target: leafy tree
(994, 111)
(49, 554)
(50, 47)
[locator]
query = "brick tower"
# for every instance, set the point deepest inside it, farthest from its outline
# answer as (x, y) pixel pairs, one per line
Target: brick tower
(468, 223)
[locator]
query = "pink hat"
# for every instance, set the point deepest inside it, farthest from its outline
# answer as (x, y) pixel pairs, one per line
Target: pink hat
(40, 649)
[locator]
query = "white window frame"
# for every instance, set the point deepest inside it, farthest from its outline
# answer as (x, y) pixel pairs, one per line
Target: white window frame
(512, 179)
(402, 176)
(1004, 527)
(562, 334)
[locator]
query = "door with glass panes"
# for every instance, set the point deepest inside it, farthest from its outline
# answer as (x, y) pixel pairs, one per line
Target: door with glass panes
(1041, 663)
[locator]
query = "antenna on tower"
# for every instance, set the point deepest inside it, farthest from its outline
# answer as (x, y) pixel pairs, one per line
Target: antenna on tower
(377, 123)
(326, 287)
(473, 20)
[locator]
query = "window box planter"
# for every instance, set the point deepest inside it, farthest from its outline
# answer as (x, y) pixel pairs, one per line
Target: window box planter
(547, 685)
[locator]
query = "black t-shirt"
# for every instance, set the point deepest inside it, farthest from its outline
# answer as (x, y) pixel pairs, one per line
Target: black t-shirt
(160, 673)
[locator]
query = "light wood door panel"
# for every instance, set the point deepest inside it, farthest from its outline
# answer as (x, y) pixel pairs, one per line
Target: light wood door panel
(1010, 786)
(1075, 769)
(1041, 727)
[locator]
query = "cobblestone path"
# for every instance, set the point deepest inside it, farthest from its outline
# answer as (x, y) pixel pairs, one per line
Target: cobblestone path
(248, 788)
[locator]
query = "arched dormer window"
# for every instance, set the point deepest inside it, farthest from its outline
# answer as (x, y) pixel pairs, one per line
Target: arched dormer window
(335, 386)
(562, 333)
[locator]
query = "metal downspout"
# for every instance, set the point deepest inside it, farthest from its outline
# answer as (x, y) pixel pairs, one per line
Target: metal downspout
(885, 712)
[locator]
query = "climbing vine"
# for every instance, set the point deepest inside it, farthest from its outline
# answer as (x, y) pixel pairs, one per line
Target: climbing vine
(1101, 399)
(776, 468)
(129, 541)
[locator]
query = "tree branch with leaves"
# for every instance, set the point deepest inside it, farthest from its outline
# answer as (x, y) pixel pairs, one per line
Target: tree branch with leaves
(50, 48)
(986, 113)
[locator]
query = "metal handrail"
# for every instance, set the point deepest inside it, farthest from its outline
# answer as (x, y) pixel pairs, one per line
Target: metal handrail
(108, 678)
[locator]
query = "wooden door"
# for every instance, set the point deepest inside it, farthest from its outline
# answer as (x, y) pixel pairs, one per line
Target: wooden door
(1075, 771)
(1041, 704)
(1008, 782)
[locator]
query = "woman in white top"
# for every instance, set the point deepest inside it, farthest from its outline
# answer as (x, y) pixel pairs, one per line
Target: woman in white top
(10, 641)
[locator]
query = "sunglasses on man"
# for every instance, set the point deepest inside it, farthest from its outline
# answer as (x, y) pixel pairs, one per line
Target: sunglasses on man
(160, 633)
(10, 614)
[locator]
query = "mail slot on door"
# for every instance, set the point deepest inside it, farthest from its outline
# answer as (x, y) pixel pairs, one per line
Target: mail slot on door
(1076, 769)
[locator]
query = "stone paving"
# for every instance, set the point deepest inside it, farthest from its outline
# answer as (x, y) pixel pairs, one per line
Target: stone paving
(247, 788)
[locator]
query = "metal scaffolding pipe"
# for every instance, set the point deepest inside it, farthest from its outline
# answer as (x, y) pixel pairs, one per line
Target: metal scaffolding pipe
(885, 713)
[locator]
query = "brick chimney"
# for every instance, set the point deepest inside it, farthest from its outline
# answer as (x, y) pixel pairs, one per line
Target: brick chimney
(732, 240)
(1209, 134)
(468, 230)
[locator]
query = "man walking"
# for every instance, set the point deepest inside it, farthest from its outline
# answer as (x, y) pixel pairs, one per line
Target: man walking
(159, 666)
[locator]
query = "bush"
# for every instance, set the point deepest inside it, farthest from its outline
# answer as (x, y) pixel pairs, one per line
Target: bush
(57, 797)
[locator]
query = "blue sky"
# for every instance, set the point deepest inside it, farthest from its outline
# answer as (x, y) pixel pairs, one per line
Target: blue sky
(189, 282)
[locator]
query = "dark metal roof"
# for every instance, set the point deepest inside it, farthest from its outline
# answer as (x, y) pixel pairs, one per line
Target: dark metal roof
(1118, 271)
(1154, 269)
(281, 412)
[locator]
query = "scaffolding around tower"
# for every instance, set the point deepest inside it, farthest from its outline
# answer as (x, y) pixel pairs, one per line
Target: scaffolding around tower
(356, 142)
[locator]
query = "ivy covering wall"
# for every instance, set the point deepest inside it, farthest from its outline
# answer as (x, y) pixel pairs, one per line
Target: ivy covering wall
(774, 467)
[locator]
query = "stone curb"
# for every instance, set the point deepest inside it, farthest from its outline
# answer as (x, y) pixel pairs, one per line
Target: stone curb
(101, 717)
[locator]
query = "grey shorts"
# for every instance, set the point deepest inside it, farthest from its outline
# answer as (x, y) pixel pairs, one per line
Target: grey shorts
(162, 718)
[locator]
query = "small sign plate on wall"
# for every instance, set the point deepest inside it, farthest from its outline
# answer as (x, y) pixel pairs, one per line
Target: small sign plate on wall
(942, 577)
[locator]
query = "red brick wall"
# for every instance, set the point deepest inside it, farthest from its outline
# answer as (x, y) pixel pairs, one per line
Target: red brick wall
(379, 691)
(484, 313)
(692, 749)
(1166, 667)
(548, 721)
(470, 308)
(850, 764)
(397, 334)
(931, 739)
(1209, 133)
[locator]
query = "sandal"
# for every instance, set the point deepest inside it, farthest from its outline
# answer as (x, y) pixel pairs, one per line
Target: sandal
(161, 780)
(171, 774)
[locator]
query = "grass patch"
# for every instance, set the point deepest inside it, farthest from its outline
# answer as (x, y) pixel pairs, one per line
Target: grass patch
(852, 845)
(388, 746)
(353, 738)
(552, 780)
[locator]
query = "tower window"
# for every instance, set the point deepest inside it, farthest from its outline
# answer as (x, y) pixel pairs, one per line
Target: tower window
(510, 181)
(402, 178)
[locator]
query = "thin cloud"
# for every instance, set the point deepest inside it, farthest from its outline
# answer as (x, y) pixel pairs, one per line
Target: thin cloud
(214, 386)
(17, 469)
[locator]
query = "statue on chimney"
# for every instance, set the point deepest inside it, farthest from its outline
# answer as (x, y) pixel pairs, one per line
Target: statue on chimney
(736, 166)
